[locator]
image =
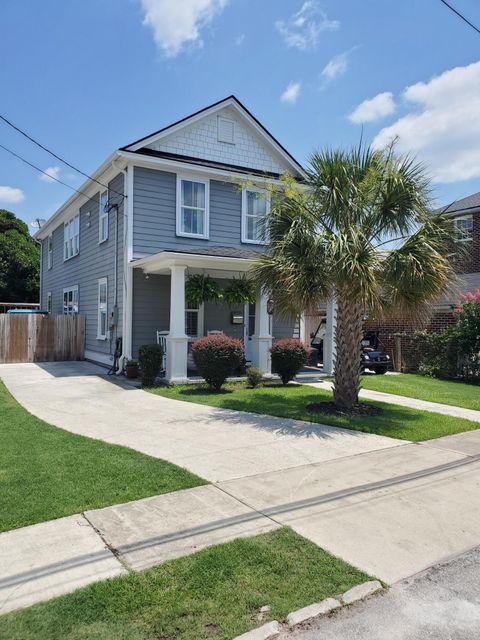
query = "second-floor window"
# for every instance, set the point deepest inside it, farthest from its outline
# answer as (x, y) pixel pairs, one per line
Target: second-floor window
(464, 228)
(50, 251)
(103, 217)
(255, 206)
(71, 238)
(192, 207)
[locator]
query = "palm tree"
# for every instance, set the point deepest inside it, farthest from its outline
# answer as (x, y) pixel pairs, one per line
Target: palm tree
(361, 232)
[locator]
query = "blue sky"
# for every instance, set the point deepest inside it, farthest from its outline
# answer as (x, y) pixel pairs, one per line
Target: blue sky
(87, 77)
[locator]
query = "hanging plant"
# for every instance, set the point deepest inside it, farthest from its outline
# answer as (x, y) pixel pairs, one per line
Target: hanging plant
(200, 288)
(239, 291)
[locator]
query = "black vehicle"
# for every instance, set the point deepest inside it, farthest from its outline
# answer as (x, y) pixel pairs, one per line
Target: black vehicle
(372, 357)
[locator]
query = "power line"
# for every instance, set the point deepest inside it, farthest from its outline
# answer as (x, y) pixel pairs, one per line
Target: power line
(16, 155)
(26, 135)
(462, 17)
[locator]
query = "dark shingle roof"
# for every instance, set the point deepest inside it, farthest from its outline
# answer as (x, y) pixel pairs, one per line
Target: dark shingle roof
(223, 252)
(464, 205)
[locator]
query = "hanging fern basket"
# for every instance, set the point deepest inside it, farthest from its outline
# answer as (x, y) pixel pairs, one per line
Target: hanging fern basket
(200, 289)
(239, 291)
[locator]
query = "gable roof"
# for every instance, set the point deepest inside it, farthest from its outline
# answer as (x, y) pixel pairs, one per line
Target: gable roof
(230, 101)
(464, 205)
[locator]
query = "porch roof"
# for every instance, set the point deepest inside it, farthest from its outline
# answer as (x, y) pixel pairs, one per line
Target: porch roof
(221, 259)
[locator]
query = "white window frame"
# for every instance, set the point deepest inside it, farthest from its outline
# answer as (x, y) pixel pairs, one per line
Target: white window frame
(200, 311)
(465, 238)
(102, 309)
(50, 251)
(206, 221)
(71, 238)
(246, 215)
(49, 302)
(70, 311)
(102, 216)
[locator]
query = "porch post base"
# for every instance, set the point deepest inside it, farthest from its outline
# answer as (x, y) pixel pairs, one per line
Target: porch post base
(261, 353)
(176, 365)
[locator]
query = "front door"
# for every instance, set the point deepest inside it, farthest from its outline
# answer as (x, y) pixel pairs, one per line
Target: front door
(249, 329)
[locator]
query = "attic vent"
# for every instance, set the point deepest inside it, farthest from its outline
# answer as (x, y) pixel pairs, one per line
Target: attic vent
(226, 130)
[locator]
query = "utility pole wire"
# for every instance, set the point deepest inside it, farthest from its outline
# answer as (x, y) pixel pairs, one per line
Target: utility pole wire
(462, 17)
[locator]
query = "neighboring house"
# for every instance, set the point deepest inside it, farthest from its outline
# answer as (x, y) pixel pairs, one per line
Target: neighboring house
(466, 215)
(186, 199)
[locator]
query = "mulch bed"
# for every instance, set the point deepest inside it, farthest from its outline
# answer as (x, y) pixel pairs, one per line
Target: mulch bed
(331, 408)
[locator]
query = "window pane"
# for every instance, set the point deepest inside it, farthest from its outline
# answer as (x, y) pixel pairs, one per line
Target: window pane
(256, 204)
(192, 221)
(102, 295)
(193, 194)
(191, 323)
(103, 323)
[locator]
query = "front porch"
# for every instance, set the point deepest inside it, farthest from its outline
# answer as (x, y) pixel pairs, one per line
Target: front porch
(160, 311)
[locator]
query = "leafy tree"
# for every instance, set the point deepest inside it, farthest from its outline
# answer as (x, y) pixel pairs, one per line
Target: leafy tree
(361, 232)
(19, 261)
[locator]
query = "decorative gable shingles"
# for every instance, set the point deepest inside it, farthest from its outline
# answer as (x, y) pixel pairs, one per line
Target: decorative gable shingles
(200, 140)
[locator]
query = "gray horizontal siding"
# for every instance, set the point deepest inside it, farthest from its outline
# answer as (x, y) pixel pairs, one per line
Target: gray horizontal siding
(154, 214)
(93, 262)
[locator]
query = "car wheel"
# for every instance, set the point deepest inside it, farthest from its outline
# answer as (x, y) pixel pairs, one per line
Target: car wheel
(381, 370)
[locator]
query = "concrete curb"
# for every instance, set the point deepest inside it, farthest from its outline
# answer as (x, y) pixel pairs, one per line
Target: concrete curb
(272, 629)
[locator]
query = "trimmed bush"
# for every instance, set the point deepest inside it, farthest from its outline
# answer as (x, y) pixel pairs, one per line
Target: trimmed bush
(150, 361)
(288, 357)
(217, 357)
(254, 377)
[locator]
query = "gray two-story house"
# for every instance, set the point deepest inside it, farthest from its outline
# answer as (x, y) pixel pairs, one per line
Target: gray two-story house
(184, 200)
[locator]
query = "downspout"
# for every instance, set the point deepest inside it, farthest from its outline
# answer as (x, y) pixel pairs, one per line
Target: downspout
(125, 280)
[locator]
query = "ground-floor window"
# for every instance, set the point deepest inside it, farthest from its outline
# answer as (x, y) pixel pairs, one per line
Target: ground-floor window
(49, 302)
(102, 309)
(70, 300)
(194, 320)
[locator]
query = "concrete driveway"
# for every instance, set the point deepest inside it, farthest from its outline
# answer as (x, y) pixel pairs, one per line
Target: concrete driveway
(389, 507)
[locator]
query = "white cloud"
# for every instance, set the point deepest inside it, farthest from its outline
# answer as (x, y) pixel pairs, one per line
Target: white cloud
(177, 23)
(239, 39)
(11, 195)
(443, 128)
(380, 106)
(52, 173)
(291, 93)
(302, 30)
(336, 66)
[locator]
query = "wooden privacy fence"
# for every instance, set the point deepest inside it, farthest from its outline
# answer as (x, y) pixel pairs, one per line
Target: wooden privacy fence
(41, 338)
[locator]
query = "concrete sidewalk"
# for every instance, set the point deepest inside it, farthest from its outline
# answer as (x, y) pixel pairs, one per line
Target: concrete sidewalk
(404, 401)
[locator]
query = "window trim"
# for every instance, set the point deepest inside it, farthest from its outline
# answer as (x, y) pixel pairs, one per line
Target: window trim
(50, 251)
(49, 302)
(245, 215)
(66, 224)
(200, 310)
(102, 307)
(206, 222)
(466, 238)
(102, 214)
(74, 289)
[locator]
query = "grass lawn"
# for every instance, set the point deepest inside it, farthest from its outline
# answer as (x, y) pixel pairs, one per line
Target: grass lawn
(291, 401)
(47, 473)
(451, 392)
(216, 593)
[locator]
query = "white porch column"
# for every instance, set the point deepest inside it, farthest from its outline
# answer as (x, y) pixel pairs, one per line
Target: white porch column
(329, 338)
(262, 339)
(177, 341)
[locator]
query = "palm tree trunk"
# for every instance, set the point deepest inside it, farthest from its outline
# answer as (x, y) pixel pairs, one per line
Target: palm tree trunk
(348, 337)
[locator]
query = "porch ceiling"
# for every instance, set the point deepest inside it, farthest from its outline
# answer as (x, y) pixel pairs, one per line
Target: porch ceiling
(238, 261)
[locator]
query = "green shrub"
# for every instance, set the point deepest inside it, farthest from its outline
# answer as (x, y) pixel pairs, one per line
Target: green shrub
(288, 357)
(437, 352)
(469, 336)
(150, 361)
(254, 377)
(217, 357)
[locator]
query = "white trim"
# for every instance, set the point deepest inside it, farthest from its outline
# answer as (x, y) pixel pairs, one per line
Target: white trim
(73, 289)
(127, 299)
(162, 261)
(50, 251)
(179, 206)
(228, 102)
(102, 215)
(96, 356)
(102, 307)
(245, 214)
